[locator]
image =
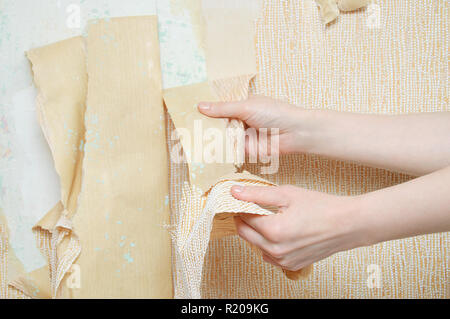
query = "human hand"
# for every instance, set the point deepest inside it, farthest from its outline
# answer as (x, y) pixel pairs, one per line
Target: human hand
(263, 112)
(310, 225)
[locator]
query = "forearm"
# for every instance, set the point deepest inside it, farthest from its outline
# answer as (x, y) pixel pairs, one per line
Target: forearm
(417, 207)
(416, 144)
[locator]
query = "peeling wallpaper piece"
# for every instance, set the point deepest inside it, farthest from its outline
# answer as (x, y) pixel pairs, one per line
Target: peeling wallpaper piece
(350, 5)
(210, 215)
(192, 234)
(192, 126)
(60, 76)
(193, 129)
(328, 9)
(125, 183)
(61, 107)
(43, 282)
(9, 264)
(235, 89)
(229, 40)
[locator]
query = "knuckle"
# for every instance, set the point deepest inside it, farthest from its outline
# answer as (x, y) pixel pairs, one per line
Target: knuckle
(240, 231)
(295, 267)
(246, 193)
(277, 251)
(284, 187)
(285, 264)
(250, 192)
(274, 236)
(245, 107)
(287, 189)
(243, 110)
(273, 232)
(286, 192)
(213, 106)
(218, 107)
(291, 267)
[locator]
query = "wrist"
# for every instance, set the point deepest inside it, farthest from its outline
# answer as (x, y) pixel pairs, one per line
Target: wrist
(311, 131)
(368, 224)
(355, 223)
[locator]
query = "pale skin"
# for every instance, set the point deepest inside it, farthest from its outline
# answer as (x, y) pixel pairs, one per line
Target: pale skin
(314, 225)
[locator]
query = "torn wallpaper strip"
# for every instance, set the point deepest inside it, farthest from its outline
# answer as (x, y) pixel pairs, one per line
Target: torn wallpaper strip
(60, 76)
(9, 264)
(181, 103)
(204, 216)
(122, 216)
(329, 9)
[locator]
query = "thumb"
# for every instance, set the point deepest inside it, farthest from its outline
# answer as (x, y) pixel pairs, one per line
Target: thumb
(223, 109)
(261, 195)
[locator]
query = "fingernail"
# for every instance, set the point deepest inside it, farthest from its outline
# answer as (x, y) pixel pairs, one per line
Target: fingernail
(237, 189)
(204, 107)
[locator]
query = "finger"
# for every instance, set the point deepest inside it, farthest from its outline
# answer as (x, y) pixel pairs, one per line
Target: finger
(259, 223)
(223, 109)
(261, 195)
(249, 234)
(251, 145)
